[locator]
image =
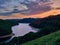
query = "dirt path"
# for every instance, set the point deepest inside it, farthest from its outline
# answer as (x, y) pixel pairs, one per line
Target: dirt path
(6, 36)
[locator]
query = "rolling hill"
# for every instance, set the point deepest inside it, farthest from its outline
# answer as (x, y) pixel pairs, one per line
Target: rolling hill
(51, 39)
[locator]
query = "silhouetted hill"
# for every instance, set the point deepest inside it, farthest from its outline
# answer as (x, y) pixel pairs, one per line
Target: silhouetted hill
(5, 29)
(25, 20)
(50, 20)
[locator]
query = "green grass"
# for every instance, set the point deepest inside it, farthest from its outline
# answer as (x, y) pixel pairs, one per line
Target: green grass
(51, 39)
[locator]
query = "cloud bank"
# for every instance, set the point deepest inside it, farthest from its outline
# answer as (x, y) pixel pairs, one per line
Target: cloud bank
(7, 7)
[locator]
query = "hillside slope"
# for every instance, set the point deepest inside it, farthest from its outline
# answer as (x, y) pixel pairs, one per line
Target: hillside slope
(51, 39)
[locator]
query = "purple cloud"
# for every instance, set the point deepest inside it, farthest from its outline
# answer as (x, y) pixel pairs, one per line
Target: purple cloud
(24, 6)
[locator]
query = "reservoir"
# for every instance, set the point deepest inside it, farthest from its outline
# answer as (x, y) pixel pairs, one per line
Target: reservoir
(22, 29)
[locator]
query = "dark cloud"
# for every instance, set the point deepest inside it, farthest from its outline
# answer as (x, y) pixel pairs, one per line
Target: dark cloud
(7, 7)
(37, 9)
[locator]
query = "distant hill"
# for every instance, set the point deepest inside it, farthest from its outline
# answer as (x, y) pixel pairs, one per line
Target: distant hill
(43, 22)
(25, 20)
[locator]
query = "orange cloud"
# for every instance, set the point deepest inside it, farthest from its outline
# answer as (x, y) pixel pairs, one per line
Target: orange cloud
(41, 15)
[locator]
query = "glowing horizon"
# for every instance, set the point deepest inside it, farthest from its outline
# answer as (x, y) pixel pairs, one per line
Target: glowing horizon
(43, 9)
(41, 15)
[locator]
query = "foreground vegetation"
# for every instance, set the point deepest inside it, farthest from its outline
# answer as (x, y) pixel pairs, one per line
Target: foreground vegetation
(51, 39)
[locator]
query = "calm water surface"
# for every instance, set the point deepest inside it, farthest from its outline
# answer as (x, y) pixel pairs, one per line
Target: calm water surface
(22, 29)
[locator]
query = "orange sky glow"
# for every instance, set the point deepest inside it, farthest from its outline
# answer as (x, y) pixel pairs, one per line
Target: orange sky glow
(41, 15)
(53, 11)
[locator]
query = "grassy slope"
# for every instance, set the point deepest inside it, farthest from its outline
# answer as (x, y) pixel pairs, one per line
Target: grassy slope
(46, 40)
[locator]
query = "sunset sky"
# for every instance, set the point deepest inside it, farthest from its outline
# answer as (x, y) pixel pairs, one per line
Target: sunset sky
(28, 8)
